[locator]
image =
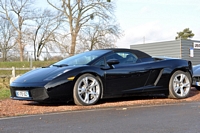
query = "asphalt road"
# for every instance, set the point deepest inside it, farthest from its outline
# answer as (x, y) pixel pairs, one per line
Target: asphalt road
(174, 118)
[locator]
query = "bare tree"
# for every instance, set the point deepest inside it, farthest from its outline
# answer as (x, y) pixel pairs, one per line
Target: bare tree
(62, 43)
(21, 11)
(7, 35)
(101, 35)
(43, 31)
(79, 14)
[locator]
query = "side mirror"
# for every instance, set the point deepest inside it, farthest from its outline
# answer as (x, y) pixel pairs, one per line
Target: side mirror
(112, 62)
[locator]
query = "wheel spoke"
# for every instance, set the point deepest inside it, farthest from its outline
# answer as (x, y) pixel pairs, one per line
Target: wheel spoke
(182, 91)
(85, 81)
(94, 83)
(86, 99)
(176, 80)
(81, 91)
(176, 89)
(93, 93)
(186, 85)
(182, 77)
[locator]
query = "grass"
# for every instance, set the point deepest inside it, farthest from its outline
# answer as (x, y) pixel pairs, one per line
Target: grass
(4, 93)
(25, 64)
(4, 88)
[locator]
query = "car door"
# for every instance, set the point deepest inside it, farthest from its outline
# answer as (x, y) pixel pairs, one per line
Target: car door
(126, 77)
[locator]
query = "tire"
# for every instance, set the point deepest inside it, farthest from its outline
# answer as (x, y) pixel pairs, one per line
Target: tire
(87, 90)
(179, 85)
(198, 88)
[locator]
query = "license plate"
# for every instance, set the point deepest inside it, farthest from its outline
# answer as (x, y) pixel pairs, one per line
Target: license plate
(22, 93)
(198, 83)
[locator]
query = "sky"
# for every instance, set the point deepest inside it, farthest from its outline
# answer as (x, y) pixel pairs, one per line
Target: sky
(147, 21)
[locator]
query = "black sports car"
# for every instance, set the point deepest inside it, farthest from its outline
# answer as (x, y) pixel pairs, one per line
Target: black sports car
(87, 77)
(196, 77)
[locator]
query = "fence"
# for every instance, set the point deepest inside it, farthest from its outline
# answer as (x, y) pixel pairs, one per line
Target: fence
(13, 71)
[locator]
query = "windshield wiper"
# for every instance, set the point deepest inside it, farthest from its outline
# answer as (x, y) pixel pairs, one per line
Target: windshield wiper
(61, 65)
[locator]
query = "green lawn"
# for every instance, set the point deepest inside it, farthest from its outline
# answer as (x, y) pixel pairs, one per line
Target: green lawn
(4, 88)
(4, 93)
(25, 64)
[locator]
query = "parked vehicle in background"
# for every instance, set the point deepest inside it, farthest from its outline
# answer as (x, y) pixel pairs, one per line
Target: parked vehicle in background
(87, 77)
(196, 77)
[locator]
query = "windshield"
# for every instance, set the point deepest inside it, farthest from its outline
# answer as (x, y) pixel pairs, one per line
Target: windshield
(81, 59)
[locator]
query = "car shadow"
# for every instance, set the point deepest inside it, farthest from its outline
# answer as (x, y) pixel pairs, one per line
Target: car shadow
(132, 98)
(193, 93)
(53, 103)
(102, 101)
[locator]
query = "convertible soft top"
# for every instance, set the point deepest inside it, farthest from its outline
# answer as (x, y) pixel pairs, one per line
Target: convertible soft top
(138, 53)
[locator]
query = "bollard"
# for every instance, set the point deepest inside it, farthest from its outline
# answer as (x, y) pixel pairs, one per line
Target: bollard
(13, 72)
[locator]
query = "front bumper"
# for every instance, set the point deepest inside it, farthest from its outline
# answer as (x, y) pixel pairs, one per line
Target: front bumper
(196, 81)
(34, 93)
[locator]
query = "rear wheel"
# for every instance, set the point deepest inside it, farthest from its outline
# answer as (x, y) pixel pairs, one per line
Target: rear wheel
(179, 85)
(87, 90)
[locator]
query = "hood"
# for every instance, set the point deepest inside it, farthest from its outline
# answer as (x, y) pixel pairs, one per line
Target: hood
(43, 74)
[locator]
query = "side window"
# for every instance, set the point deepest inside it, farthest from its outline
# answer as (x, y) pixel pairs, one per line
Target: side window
(130, 58)
(114, 56)
(123, 57)
(101, 62)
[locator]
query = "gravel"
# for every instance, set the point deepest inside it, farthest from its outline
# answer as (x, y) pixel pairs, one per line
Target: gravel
(10, 107)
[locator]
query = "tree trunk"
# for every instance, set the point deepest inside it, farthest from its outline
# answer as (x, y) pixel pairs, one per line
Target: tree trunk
(73, 44)
(21, 48)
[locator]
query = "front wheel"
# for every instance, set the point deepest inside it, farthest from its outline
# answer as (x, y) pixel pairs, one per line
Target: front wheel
(179, 85)
(87, 90)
